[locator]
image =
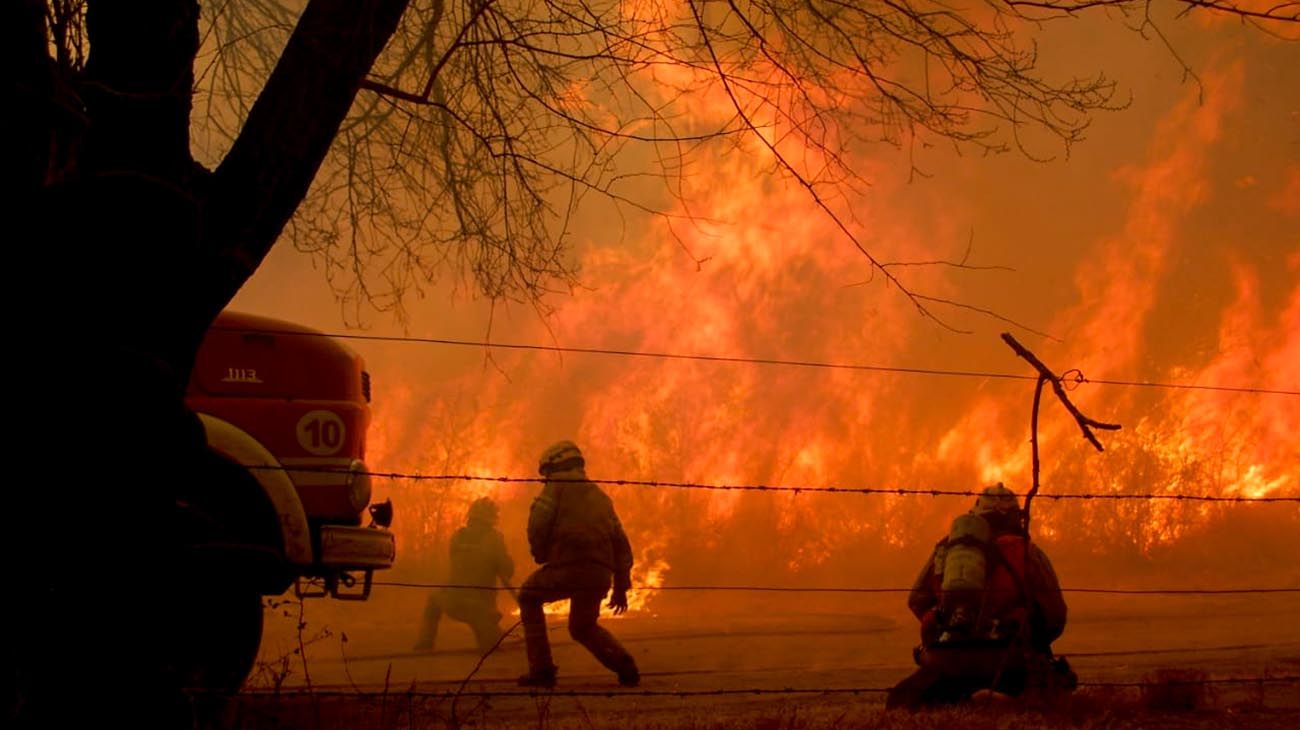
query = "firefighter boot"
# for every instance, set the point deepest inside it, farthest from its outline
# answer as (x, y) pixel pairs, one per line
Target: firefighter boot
(628, 675)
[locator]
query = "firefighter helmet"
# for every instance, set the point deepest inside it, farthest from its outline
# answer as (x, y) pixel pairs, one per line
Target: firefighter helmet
(997, 498)
(482, 510)
(560, 456)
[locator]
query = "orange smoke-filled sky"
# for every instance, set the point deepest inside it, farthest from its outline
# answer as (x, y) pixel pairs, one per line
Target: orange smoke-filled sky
(1166, 247)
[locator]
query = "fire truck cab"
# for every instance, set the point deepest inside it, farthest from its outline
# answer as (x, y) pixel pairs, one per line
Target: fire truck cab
(285, 410)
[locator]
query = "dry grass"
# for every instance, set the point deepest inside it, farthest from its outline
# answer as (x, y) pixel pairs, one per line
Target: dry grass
(1176, 690)
(1091, 709)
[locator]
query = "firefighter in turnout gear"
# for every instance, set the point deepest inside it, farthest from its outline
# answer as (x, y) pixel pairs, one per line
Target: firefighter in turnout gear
(478, 560)
(575, 535)
(990, 607)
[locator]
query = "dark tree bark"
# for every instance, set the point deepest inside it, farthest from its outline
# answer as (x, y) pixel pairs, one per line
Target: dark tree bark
(137, 87)
(28, 85)
(150, 247)
(154, 246)
(120, 215)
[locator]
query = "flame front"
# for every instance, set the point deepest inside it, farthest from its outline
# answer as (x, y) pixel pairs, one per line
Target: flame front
(768, 275)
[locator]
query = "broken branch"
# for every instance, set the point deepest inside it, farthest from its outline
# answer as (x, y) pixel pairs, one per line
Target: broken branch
(1086, 424)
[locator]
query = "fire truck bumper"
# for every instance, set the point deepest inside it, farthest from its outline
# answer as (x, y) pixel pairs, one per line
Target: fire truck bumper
(349, 557)
(343, 547)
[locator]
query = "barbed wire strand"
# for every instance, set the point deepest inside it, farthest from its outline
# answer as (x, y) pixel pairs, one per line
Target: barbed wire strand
(796, 489)
(864, 589)
(717, 692)
(940, 372)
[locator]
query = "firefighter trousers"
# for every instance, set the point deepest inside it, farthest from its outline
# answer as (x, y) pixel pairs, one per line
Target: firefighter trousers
(952, 675)
(585, 588)
(482, 618)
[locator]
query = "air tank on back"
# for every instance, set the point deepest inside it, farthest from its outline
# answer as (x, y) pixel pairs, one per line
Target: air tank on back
(964, 570)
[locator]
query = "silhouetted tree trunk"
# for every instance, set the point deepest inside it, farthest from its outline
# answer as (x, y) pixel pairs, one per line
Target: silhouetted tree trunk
(128, 250)
(137, 86)
(134, 213)
(28, 84)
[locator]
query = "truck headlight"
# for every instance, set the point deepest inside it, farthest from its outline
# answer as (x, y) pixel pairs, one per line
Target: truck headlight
(358, 486)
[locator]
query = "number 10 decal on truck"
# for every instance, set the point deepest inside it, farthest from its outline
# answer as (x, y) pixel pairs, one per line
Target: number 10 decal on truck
(285, 409)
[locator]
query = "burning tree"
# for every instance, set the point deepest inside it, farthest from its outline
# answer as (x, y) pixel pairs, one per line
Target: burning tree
(165, 146)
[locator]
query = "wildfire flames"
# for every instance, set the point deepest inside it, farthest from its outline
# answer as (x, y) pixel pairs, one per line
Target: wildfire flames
(764, 273)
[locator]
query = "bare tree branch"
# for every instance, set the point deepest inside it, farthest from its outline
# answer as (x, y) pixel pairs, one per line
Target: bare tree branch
(1285, 12)
(1086, 424)
(468, 91)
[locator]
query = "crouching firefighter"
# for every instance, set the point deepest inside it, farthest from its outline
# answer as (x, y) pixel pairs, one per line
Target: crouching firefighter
(478, 560)
(576, 536)
(990, 607)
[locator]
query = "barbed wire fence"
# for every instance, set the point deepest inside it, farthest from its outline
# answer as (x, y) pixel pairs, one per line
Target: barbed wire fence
(1070, 379)
(1254, 590)
(785, 488)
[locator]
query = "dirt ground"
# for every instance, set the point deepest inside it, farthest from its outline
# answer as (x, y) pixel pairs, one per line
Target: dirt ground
(361, 672)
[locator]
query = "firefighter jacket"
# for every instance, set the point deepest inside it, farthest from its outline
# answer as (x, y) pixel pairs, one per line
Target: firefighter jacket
(1017, 592)
(572, 523)
(479, 558)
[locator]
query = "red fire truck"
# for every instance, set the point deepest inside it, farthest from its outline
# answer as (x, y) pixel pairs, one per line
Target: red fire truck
(285, 409)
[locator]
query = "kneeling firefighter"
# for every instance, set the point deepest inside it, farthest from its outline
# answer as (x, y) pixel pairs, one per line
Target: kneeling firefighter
(478, 560)
(990, 607)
